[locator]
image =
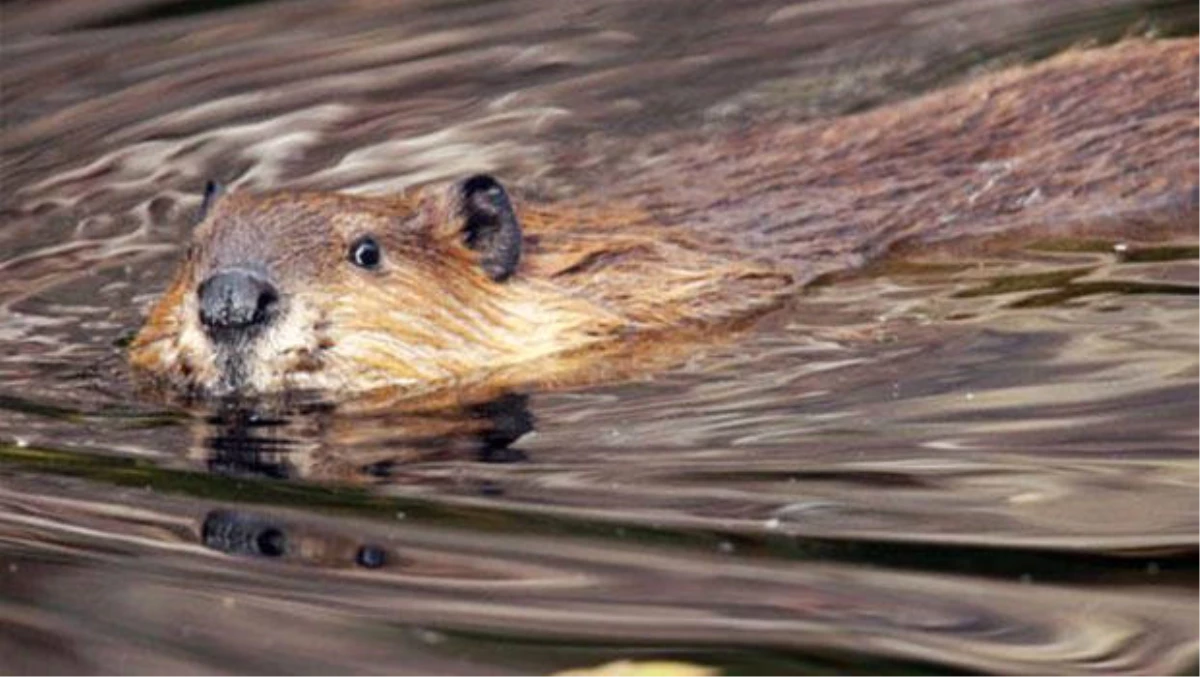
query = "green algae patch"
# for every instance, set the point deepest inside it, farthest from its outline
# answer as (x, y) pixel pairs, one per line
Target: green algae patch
(1125, 253)
(1082, 289)
(128, 418)
(1161, 254)
(1059, 286)
(893, 267)
(908, 268)
(138, 472)
(1010, 284)
(1073, 246)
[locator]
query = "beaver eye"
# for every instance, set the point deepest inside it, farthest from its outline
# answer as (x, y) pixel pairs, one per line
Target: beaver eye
(365, 252)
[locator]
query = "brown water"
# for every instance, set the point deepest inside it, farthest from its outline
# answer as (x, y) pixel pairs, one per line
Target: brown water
(987, 467)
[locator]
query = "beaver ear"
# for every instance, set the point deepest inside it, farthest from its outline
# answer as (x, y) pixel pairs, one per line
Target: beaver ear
(490, 226)
(213, 191)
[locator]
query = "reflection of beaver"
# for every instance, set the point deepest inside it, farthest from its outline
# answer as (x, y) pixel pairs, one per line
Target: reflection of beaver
(299, 291)
(247, 534)
(316, 445)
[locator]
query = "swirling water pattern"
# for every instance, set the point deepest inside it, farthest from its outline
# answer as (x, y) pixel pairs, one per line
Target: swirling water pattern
(894, 474)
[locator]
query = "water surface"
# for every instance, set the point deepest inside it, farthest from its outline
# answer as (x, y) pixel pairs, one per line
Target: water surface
(989, 466)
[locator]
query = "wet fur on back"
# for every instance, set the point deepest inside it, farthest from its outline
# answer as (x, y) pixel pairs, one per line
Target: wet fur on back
(1091, 142)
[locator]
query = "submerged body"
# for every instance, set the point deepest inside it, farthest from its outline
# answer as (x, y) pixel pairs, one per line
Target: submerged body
(438, 290)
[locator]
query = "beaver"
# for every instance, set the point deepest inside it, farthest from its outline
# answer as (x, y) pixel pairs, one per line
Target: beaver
(462, 284)
(336, 294)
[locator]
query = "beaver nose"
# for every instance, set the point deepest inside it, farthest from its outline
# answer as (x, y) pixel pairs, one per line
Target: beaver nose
(236, 300)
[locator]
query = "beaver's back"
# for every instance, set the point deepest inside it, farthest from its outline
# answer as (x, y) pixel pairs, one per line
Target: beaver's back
(1101, 139)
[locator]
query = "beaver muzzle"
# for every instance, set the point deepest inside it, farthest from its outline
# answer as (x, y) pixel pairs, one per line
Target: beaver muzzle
(236, 303)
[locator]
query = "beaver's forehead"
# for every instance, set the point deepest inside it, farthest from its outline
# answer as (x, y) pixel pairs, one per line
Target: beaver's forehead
(241, 228)
(303, 215)
(300, 229)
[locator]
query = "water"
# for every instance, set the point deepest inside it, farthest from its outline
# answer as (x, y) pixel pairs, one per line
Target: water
(988, 467)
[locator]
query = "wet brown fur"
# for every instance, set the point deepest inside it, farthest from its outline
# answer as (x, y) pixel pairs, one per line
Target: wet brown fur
(589, 283)
(1084, 137)
(1090, 142)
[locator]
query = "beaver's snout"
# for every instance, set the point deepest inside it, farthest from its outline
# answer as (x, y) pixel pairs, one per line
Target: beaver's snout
(234, 302)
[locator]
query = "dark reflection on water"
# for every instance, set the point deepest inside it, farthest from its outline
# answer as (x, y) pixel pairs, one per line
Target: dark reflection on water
(981, 467)
(311, 444)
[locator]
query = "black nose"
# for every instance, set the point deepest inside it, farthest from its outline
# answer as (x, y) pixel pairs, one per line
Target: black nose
(236, 300)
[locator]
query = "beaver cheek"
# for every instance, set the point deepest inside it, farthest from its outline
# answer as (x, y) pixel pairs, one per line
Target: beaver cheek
(195, 369)
(286, 356)
(194, 358)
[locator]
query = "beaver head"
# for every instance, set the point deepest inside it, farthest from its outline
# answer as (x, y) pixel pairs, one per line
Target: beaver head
(334, 293)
